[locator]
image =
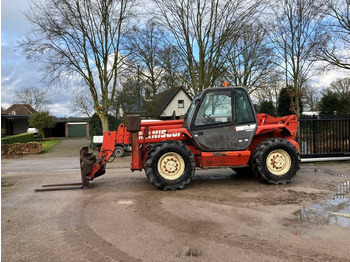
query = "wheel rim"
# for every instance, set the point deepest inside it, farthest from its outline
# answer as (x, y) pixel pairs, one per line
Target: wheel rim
(171, 166)
(119, 151)
(278, 162)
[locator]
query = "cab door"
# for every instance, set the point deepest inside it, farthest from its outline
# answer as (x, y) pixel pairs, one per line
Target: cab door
(246, 122)
(214, 124)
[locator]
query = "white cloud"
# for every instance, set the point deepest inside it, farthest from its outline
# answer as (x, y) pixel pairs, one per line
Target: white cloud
(325, 79)
(17, 73)
(60, 109)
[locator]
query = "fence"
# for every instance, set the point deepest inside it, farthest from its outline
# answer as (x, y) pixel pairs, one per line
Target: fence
(324, 137)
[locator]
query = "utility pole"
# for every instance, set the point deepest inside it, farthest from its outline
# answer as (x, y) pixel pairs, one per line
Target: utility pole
(138, 88)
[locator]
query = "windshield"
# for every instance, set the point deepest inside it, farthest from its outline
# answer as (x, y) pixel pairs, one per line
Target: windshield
(216, 107)
(190, 111)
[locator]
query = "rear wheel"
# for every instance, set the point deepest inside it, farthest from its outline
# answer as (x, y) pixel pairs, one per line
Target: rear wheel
(170, 165)
(119, 151)
(276, 161)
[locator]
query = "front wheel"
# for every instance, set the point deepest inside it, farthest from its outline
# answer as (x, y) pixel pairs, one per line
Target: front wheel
(276, 161)
(170, 165)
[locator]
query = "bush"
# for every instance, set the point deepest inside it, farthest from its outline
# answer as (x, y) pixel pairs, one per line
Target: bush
(267, 107)
(96, 125)
(41, 120)
(3, 132)
(21, 138)
(330, 104)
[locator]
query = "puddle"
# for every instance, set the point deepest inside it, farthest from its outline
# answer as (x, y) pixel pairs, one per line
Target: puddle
(331, 172)
(334, 212)
(125, 202)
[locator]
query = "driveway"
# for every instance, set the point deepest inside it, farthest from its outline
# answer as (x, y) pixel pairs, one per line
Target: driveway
(219, 217)
(63, 156)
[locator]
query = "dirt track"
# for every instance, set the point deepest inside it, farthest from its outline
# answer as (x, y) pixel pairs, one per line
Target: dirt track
(218, 217)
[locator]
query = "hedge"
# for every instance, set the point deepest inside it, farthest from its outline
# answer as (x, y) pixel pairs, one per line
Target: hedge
(21, 138)
(21, 148)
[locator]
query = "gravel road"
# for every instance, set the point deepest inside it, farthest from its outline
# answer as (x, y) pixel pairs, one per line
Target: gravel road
(220, 216)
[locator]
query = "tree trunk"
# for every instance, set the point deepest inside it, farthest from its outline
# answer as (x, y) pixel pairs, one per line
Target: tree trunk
(104, 121)
(41, 132)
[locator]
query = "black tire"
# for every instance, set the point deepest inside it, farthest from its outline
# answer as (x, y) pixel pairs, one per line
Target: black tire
(275, 161)
(178, 165)
(119, 151)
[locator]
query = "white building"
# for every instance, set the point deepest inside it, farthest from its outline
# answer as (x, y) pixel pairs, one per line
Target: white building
(171, 103)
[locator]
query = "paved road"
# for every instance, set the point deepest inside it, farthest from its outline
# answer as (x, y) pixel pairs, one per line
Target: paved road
(64, 156)
(122, 217)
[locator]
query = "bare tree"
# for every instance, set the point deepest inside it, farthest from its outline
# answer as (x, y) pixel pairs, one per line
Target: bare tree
(250, 58)
(336, 98)
(80, 39)
(34, 96)
(174, 74)
(83, 104)
(129, 96)
(269, 89)
(145, 47)
(335, 40)
(296, 37)
(311, 97)
(200, 29)
(341, 87)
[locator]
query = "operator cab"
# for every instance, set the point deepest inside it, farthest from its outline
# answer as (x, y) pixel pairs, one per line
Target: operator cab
(222, 119)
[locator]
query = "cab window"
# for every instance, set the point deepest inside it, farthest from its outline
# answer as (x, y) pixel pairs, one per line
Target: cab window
(215, 108)
(244, 111)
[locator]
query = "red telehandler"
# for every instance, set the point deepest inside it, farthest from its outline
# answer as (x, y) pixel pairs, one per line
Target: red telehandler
(220, 130)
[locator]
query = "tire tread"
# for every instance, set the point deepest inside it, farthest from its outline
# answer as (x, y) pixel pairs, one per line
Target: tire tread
(152, 154)
(258, 162)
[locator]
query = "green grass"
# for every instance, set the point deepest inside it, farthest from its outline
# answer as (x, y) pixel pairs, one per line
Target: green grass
(47, 144)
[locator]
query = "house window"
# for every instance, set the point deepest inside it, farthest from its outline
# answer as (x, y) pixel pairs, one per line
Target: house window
(180, 103)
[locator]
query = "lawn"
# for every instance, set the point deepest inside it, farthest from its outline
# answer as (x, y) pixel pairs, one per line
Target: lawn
(47, 144)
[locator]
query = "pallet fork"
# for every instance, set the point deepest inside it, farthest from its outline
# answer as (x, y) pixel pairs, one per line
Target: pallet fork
(87, 162)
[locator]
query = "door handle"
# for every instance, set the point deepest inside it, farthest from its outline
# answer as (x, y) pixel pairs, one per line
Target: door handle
(199, 134)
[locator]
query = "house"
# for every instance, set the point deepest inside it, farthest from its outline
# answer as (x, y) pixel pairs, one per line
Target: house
(15, 121)
(3, 115)
(15, 118)
(170, 104)
(3, 112)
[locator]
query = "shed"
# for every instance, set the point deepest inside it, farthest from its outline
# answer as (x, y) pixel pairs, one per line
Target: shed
(71, 127)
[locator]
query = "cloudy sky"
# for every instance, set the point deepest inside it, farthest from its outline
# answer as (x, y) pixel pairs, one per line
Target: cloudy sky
(17, 73)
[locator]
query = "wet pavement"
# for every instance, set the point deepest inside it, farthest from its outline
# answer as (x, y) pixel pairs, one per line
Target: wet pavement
(220, 216)
(335, 211)
(62, 157)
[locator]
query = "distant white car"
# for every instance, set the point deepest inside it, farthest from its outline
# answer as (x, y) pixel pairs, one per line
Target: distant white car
(32, 130)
